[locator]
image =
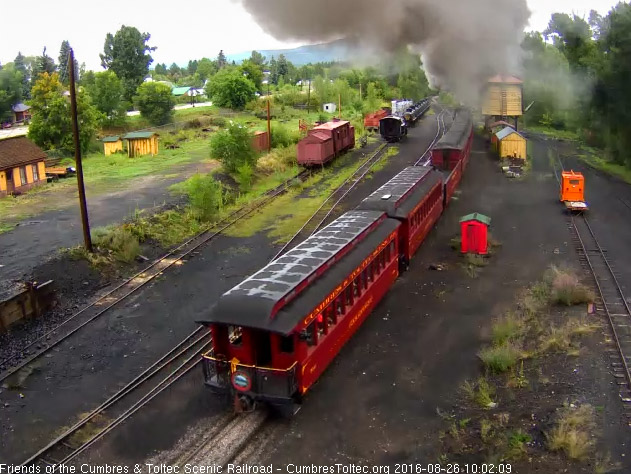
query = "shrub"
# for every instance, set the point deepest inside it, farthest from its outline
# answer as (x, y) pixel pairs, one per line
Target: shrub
(244, 177)
(233, 147)
(205, 195)
(279, 160)
(120, 241)
(480, 392)
(571, 432)
(566, 289)
(507, 329)
(282, 137)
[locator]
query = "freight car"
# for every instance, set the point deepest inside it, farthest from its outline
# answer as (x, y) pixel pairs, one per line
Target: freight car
(415, 112)
(371, 121)
(392, 128)
(325, 142)
(276, 332)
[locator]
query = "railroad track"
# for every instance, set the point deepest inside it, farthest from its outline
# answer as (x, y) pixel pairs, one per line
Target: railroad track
(113, 297)
(320, 216)
(426, 157)
(162, 374)
(317, 219)
(612, 300)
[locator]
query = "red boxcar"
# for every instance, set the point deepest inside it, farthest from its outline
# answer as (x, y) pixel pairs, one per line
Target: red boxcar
(277, 331)
(325, 142)
(415, 198)
(371, 121)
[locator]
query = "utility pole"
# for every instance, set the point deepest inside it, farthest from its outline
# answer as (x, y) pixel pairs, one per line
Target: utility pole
(87, 239)
(309, 98)
(340, 105)
(360, 90)
(269, 129)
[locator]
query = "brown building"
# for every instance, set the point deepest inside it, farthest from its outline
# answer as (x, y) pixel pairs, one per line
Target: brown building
(112, 144)
(21, 165)
(21, 113)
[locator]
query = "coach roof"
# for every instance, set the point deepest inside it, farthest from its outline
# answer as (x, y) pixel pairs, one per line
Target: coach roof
(257, 301)
(399, 196)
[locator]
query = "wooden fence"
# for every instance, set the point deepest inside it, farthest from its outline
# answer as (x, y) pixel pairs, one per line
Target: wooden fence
(31, 302)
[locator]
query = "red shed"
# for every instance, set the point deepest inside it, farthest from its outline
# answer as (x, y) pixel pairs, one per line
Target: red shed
(260, 141)
(474, 229)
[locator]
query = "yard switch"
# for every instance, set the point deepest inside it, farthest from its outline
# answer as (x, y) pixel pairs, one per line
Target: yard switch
(474, 229)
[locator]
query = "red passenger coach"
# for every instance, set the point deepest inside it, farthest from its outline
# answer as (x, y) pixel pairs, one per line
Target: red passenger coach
(325, 142)
(453, 150)
(415, 198)
(277, 331)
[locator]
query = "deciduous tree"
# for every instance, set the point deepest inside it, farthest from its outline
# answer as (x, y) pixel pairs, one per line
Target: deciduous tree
(106, 92)
(230, 88)
(127, 54)
(10, 90)
(51, 126)
(155, 102)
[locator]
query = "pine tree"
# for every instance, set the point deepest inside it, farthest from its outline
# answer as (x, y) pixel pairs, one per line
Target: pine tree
(64, 72)
(43, 63)
(20, 65)
(221, 60)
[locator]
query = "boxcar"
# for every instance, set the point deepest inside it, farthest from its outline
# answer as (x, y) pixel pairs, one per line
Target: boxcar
(393, 128)
(415, 198)
(276, 332)
(325, 142)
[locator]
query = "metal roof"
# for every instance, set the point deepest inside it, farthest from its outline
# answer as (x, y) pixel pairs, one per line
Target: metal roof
(258, 300)
(255, 312)
(111, 139)
(20, 107)
(137, 135)
(476, 216)
(399, 196)
(458, 133)
(180, 90)
(331, 125)
(506, 131)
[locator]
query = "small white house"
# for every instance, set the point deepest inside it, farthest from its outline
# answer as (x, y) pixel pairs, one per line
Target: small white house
(330, 107)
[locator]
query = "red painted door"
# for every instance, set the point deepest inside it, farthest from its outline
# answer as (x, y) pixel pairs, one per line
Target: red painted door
(472, 238)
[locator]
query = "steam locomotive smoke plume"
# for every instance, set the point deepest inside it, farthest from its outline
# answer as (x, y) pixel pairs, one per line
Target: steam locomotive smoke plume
(462, 42)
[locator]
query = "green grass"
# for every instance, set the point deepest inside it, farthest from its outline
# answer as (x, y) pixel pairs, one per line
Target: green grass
(480, 392)
(553, 133)
(500, 358)
(572, 432)
(508, 328)
(287, 213)
(605, 166)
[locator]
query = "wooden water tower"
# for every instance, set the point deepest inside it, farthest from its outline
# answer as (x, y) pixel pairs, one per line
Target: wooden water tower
(502, 100)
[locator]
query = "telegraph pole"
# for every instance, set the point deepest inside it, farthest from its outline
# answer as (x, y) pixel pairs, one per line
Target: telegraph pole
(269, 129)
(87, 239)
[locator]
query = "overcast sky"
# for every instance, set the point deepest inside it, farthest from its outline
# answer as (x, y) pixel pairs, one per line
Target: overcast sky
(181, 31)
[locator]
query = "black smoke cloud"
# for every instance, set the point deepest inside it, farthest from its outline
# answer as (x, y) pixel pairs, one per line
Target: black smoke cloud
(462, 42)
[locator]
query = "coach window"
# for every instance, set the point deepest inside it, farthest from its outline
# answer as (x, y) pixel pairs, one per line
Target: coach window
(339, 305)
(349, 295)
(321, 325)
(356, 288)
(365, 278)
(235, 335)
(309, 335)
(329, 315)
(393, 249)
(286, 344)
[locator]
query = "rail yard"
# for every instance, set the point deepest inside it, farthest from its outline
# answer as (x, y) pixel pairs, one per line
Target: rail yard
(401, 251)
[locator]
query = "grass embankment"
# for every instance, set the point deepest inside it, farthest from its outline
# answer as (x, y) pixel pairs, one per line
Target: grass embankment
(522, 342)
(285, 215)
(592, 157)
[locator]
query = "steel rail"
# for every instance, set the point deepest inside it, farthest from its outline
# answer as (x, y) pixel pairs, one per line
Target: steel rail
(371, 161)
(140, 279)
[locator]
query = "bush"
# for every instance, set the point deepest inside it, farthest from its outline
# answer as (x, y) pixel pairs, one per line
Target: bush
(121, 242)
(572, 432)
(566, 289)
(282, 137)
(244, 177)
(205, 195)
(233, 147)
(279, 160)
